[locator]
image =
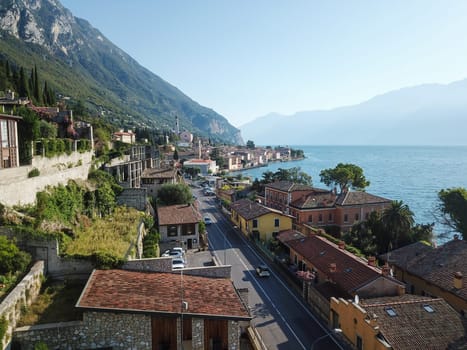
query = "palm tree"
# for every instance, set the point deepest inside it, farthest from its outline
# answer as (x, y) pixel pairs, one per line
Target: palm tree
(397, 222)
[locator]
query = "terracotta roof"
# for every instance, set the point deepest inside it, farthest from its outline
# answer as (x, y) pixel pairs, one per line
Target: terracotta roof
(359, 198)
(435, 265)
(350, 271)
(288, 186)
(249, 209)
(289, 235)
(316, 199)
(404, 255)
(177, 214)
(136, 291)
(159, 173)
(412, 326)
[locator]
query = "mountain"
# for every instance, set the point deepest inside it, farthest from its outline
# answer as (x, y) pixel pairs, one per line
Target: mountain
(78, 61)
(431, 114)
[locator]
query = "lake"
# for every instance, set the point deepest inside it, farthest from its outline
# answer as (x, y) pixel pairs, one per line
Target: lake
(413, 174)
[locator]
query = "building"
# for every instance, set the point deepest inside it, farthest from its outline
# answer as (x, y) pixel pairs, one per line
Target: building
(437, 272)
(280, 194)
(154, 178)
(125, 309)
(9, 149)
(205, 166)
(257, 221)
(124, 136)
(179, 223)
(398, 323)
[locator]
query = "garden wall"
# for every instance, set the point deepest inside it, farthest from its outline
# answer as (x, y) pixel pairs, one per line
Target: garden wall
(17, 188)
(21, 296)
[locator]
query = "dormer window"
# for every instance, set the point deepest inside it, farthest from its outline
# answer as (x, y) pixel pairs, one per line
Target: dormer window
(428, 308)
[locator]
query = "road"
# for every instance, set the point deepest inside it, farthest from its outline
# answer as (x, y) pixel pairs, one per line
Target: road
(279, 314)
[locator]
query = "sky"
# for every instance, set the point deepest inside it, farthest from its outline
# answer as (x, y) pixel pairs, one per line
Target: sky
(247, 58)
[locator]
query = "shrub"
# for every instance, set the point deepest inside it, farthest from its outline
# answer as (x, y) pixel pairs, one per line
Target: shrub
(3, 328)
(11, 258)
(34, 172)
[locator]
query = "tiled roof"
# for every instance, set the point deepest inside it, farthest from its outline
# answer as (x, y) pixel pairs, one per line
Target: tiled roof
(316, 199)
(412, 326)
(135, 291)
(159, 173)
(177, 214)
(359, 198)
(350, 272)
(436, 265)
(404, 255)
(289, 235)
(288, 186)
(249, 209)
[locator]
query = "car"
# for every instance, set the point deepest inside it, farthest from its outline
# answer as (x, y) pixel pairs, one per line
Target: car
(207, 220)
(178, 249)
(178, 264)
(173, 253)
(262, 270)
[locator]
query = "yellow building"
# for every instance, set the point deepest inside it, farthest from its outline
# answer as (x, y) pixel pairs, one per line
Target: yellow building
(258, 221)
(402, 322)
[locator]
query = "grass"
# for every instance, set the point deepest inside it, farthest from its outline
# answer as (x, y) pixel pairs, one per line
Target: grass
(55, 304)
(112, 234)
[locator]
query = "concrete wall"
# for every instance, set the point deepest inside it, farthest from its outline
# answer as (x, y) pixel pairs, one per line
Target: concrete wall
(53, 171)
(22, 295)
(133, 197)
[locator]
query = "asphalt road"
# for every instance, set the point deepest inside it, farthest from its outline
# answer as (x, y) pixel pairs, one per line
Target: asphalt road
(279, 314)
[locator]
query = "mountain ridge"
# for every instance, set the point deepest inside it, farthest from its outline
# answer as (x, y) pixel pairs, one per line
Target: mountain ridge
(111, 82)
(427, 114)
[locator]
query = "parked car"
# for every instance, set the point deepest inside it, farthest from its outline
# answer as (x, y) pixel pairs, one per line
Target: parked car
(178, 263)
(207, 220)
(262, 270)
(178, 249)
(173, 253)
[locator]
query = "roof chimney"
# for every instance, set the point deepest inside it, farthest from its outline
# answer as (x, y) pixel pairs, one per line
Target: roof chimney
(341, 245)
(458, 280)
(332, 267)
(385, 270)
(372, 261)
(400, 289)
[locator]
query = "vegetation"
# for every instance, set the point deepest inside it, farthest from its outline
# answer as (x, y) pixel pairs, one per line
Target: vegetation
(453, 209)
(250, 144)
(12, 259)
(34, 172)
(294, 174)
(171, 194)
(345, 176)
(151, 245)
(390, 230)
(3, 328)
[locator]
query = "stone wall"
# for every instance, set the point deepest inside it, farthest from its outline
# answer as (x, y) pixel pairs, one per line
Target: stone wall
(22, 295)
(133, 197)
(53, 171)
(208, 271)
(97, 330)
(150, 265)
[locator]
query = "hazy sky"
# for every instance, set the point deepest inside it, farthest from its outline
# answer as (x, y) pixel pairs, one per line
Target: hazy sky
(247, 58)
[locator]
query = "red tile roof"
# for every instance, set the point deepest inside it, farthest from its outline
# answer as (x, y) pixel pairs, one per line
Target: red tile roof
(412, 326)
(288, 186)
(178, 214)
(359, 198)
(350, 271)
(250, 210)
(135, 291)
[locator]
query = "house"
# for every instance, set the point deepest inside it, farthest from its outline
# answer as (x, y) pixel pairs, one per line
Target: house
(205, 166)
(179, 223)
(257, 221)
(124, 136)
(9, 149)
(125, 309)
(154, 178)
(437, 272)
(320, 207)
(400, 322)
(328, 270)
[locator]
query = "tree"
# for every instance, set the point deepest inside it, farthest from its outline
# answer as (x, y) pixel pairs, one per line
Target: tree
(171, 194)
(11, 258)
(453, 209)
(345, 176)
(250, 144)
(175, 156)
(397, 222)
(363, 235)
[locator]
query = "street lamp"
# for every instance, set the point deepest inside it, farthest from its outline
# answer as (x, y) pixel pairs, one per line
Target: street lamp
(334, 331)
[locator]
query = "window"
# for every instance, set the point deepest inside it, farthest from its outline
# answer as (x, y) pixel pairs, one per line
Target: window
(356, 217)
(320, 218)
(390, 311)
(255, 223)
(359, 343)
(330, 217)
(428, 308)
(4, 135)
(367, 215)
(346, 218)
(276, 222)
(172, 231)
(310, 218)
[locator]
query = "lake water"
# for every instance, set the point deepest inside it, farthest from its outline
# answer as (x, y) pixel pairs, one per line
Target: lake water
(413, 174)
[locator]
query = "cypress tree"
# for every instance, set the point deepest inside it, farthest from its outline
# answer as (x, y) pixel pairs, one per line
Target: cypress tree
(22, 84)
(37, 92)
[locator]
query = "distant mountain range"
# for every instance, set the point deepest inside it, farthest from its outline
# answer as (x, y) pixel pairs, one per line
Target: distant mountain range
(432, 114)
(78, 61)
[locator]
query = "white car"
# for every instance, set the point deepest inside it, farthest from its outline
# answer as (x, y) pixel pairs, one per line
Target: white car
(177, 264)
(173, 253)
(207, 220)
(262, 270)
